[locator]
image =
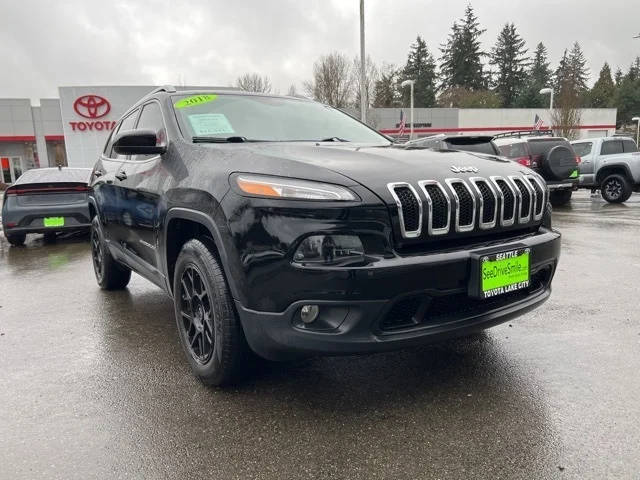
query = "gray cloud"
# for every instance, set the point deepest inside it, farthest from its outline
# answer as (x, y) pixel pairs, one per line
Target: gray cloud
(45, 44)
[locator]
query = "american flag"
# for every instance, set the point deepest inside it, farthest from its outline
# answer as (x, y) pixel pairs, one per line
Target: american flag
(537, 123)
(401, 125)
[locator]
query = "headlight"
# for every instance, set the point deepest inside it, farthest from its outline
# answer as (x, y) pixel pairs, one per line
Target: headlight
(330, 250)
(278, 187)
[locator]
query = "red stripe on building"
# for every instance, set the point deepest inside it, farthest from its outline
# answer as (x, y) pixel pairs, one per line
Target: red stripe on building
(486, 129)
(54, 138)
(17, 138)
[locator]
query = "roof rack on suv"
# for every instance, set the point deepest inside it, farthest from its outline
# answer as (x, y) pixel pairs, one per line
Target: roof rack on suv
(524, 133)
(164, 88)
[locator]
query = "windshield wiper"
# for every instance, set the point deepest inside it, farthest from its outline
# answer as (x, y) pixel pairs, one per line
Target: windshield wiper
(334, 139)
(236, 139)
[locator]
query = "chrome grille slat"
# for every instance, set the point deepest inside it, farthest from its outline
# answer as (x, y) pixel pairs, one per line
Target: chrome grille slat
(467, 227)
(503, 219)
(413, 233)
(475, 181)
(540, 202)
(425, 186)
(525, 197)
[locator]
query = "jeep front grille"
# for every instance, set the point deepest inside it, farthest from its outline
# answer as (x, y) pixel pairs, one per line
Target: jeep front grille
(464, 205)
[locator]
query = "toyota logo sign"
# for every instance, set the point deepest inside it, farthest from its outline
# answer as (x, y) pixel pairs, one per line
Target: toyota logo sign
(91, 106)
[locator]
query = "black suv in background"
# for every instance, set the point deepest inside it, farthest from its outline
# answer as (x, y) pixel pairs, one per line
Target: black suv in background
(552, 157)
(284, 227)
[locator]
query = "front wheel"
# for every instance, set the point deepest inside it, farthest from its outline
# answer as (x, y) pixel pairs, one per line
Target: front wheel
(17, 239)
(560, 197)
(210, 332)
(616, 189)
(110, 275)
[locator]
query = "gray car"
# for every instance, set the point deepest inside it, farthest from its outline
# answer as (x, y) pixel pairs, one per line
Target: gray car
(46, 200)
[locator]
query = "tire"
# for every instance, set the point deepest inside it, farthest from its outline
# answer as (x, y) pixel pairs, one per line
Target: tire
(616, 188)
(50, 237)
(209, 329)
(559, 163)
(560, 197)
(110, 274)
(17, 239)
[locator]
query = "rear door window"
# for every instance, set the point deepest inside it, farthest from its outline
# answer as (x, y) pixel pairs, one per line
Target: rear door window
(611, 147)
(629, 146)
(583, 149)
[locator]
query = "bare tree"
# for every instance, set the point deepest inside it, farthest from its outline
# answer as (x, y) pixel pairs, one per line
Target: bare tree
(292, 92)
(333, 80)
(252, 82)
(371, 75)
(565, 117)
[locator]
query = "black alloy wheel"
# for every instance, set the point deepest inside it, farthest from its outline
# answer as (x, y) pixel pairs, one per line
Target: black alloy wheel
(196, 315)
(97, 255)
(616, 189)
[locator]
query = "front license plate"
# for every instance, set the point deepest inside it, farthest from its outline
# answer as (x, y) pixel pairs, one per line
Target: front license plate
(54, 222)
(504, 272)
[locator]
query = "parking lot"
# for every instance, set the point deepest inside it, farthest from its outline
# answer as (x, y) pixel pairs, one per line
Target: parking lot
(94, 384)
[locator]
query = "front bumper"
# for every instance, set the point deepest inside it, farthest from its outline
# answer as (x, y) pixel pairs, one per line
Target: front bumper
(362, 325)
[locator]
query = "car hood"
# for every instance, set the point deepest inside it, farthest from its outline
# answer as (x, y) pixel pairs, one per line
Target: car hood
(371, 166)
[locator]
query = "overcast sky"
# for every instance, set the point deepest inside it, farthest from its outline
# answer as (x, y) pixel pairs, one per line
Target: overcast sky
(45, 44)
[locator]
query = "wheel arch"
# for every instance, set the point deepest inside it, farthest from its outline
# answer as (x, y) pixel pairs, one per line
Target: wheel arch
(184, 224)
(607, 170)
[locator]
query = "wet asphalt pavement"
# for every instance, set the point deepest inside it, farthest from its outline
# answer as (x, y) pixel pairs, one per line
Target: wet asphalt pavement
(93, 384)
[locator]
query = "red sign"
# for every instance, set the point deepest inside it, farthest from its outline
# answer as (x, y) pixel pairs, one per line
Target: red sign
(91, 106)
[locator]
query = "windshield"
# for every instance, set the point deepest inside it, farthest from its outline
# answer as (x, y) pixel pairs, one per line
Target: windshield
(261, 118)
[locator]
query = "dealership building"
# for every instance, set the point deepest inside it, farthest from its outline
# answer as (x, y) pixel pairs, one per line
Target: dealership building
(72, 129)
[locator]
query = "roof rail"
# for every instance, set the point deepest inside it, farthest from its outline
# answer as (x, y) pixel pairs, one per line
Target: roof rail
(524, 133)
(164, 88)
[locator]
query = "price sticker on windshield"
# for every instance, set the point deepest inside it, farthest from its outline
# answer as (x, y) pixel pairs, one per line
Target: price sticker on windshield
(204, 124)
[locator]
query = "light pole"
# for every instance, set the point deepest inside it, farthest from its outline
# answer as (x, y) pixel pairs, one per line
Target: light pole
(637, 120)
(363, 63)
(546, 90)
(404, 84)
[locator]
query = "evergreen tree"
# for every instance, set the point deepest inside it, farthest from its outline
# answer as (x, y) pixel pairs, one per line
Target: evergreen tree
(572, 75)
(618, 76)
(420, 67)
(602, 94)
(386, 91)
(509, 58)
(578, 68)
(462, 56)
(627, 99)
(538, 77)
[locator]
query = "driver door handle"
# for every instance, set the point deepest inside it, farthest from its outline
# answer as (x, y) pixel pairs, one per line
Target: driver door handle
(121, 175)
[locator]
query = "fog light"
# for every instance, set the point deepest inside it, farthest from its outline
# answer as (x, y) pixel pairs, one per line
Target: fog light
(309, 313)
(330, 250)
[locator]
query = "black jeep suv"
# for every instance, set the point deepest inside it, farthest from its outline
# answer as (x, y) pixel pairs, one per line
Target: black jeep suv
(285, 227)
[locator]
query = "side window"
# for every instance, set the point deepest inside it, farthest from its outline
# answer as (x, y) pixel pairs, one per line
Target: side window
(629, 146)
(151, 119)
(611, 147)
(127, 123)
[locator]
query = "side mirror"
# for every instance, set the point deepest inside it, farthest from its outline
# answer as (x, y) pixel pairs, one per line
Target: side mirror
(138, 142)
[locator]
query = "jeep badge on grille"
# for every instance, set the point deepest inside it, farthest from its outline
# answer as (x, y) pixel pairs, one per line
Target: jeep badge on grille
(457, 169)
